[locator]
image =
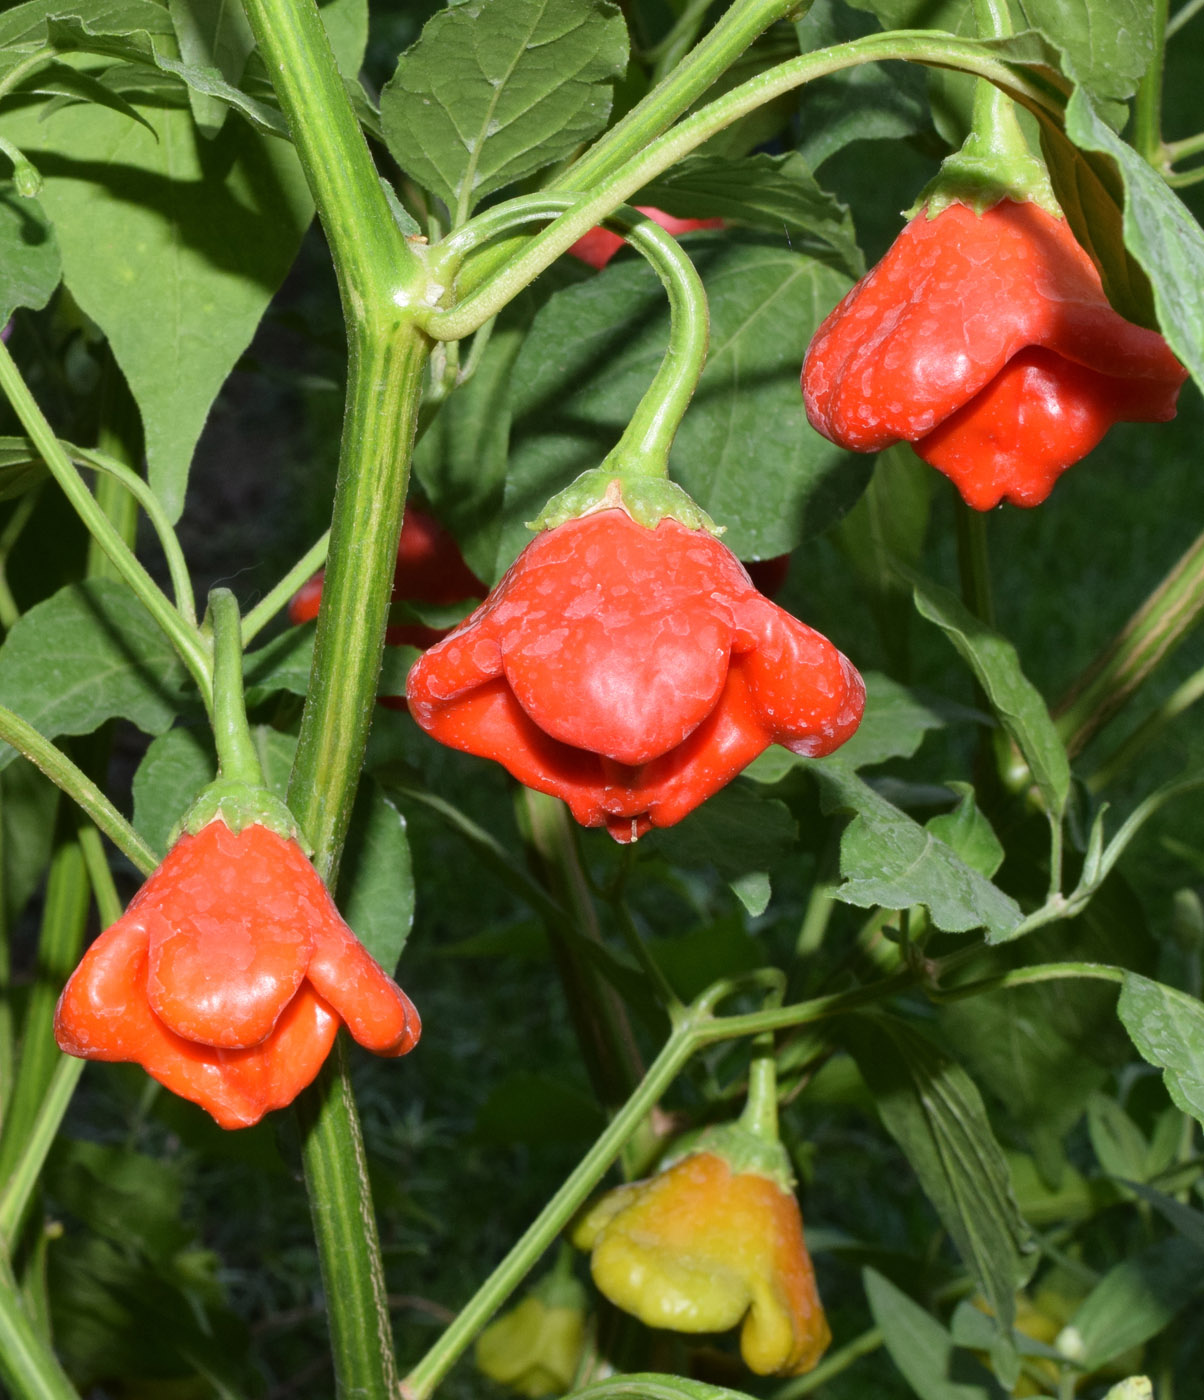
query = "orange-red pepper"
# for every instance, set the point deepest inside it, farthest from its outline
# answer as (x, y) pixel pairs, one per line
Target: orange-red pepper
(632, 672)
(985, 341)
(227, 976)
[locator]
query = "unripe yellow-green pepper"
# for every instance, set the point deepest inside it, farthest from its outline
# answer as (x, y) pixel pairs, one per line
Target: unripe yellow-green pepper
(704, 1247)
(534, 1348)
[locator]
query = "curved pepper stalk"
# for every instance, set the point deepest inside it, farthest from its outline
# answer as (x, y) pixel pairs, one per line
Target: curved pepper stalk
(985, 341)
(632, 672)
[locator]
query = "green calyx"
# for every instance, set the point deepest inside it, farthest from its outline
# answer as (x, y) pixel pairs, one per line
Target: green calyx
(240, 805)
(647, 499)
(993, 164)
(743, 1151)
(560, 1289)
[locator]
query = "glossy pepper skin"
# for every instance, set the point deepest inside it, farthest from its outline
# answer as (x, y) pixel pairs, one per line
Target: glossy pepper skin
(703, 1248)
(599, 245)
(227, 976)
(985, 341)
(632, 672)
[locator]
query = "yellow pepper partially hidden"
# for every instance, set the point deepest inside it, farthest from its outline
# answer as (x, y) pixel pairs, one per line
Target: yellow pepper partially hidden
(700, 1248)
(535, 1347)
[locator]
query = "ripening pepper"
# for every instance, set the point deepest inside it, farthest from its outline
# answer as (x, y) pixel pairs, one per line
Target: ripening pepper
(227, 976)
(599, 245)
(535, 1347)
(632, 672)
(430, 569)
(985, 341)
(702, 1247)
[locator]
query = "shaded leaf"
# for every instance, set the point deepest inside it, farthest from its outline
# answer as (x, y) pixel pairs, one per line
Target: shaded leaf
(376, 885)
(1133, 1302)
(177, 309)
(738, 831)
(1015, 699)
(778, 193)
(30, 267)
(888, 859)
(933, 1110)
(535, 1109)
(90, 653)
(496, 89)
(1167, 1027)
(653, 1386)
(26, 26)
(922, 1349)
(212, 34)
(967, 832)
(174, 770)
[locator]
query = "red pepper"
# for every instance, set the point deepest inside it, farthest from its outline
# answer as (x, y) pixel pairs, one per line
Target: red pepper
(599, 245)
(986, 341)
(227, 976)
(632, 672)
(430, 569)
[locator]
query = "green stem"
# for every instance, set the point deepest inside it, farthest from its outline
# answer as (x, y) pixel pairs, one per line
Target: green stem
(1147, 110)
(118, 438)
(917, 46)
(237, 756)
(680, 39)
(381, 281)
(78, 786)
(760, 1115)
(60, 938)
(24, 509)
(22, 1181)
(423, 1379)
(27, 1364)
(133, 491)
(1182, 15)
(1028, 976)
(678, 91)
(644, 446)
(1188, 146)
(665, 994)
(183, 636)
(973, 563)
(1151, 634)
(1181, 699)
(272, 601)
(340, 1202)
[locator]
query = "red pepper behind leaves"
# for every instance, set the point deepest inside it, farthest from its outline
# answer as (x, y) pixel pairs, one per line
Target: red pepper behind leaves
(227, 977)
(986, 341)
(430, 569)
(599, 245)
(633, 673)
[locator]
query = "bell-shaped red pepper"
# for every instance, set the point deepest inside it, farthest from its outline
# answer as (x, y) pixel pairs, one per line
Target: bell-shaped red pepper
(985, 341)
(632, 672)
(227, 976)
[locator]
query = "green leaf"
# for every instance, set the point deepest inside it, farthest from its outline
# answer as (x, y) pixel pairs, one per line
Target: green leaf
(1118, 1143)
(650, 1385)
(30, 267)
(27, 26)
(737, 831)
(773, 192)
(90, 653)
(933, 1110)
(1108, 53)
(21, 468)
(376, 886)
(888, 524)
(1167, 1027)
(74, 85)
(27, 805)
(1133, 1302)
(175, 769)
(1158, 230)
(212, 34)
(922, 1349)
(967, 832)
(346, 24)
(496, 89)
(148, 224)
(745, 441)
(282, 664)
(1186, 1222)
(699, 958)
(536, 1110)
(888, 859)
(1014, 698)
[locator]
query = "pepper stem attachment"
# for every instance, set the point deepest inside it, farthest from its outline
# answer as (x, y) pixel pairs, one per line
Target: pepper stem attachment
(237, 758)
(994, 162)
(635, 473)
(760, 1116)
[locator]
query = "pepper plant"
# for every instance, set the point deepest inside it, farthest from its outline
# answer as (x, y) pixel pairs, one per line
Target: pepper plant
(884, 893)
